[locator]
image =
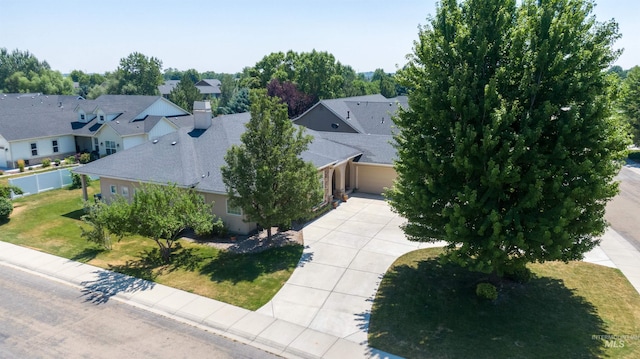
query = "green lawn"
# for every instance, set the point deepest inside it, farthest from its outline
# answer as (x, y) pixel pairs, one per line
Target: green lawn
(50, 222)
(425, 309)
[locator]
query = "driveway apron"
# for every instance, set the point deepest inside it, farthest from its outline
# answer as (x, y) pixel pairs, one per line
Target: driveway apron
(347, 252)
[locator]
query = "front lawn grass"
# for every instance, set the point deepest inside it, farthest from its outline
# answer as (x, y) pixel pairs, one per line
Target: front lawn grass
(50, 222)
(425, 309)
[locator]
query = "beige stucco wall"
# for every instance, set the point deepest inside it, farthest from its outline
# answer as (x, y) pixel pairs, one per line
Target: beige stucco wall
(235, 223)
(374, 178)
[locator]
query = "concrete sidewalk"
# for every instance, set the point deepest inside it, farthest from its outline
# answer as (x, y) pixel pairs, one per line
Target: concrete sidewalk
(273, 335)
(321, 312)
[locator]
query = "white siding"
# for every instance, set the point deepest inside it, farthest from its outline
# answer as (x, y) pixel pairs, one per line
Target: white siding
(22, 149)
(107, 133)
(132, 141)
(162, 107)
(162, 128)
(4, 152)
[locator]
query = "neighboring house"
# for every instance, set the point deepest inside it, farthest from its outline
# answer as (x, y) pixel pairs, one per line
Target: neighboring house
(365, 123)
(36, 126)
(192, 158)
(209, 88)
(371, 114)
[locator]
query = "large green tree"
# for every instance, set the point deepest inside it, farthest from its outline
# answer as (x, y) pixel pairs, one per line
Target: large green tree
(22, 72)
(509, 148)
(265, 175)
(630, 101)
(137, 75)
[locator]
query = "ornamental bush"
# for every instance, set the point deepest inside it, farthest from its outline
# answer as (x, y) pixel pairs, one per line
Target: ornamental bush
(487, 291)
(6, 207)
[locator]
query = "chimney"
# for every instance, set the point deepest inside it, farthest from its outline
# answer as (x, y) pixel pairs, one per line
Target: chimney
(201, 115)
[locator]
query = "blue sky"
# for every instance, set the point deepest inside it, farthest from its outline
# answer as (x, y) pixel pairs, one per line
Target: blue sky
(225, 36)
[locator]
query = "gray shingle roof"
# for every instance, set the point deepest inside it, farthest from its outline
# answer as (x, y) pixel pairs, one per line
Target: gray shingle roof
(167, 86)
(374, 148)
(34, 115)
(369, 114)
(196, 157)
(206, 86)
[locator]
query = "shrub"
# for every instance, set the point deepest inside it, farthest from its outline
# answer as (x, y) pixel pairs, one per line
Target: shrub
(85, 158)
(20, 165)
(70, 160)
(487, 291)
(6, 207)
(57, 162)
(5, 191)
(1, 173)
(518, 274)
(46, 162)
(634, 155)
(76, 181)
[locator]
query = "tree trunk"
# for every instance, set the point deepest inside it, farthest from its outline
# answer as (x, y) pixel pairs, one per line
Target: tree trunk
(269, 234)
(165, 250)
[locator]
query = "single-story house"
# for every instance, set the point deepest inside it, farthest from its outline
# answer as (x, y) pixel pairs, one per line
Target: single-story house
(36, 126)
(192, 157)
(365, 123)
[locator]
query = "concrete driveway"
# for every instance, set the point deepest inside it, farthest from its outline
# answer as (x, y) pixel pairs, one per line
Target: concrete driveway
(347, 252)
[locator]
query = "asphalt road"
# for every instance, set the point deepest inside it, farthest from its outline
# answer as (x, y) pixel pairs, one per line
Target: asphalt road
(623, 212)
(41, 318)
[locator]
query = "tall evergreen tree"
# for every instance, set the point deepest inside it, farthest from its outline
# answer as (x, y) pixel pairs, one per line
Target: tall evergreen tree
(265, 175)
(509, 148)
(185, 93)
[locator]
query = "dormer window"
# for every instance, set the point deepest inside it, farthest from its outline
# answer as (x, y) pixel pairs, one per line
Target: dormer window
(101, 118)
(82, 117)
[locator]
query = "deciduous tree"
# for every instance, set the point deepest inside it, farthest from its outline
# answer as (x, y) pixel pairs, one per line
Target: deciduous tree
(265, 175)
(630, 101)
(158, 212)
(137, 75)
(509, 148)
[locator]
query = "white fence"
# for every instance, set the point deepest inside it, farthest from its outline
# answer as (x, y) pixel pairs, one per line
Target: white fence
(42, 181)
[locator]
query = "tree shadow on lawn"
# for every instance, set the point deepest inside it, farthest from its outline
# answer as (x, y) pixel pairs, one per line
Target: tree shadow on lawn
(77, 214)
(138, 274)
(433, 311)
(236, 268)
(87, 254)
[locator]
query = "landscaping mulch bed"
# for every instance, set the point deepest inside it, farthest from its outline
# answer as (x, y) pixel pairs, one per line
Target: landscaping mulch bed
(254, 243)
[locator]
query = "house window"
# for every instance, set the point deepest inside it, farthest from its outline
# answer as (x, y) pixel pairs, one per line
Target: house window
(111, 147)
(34, 149)
(125, 191)
(95, 144)
(236, 211)
(101, 118)
(82, 117)
(114, 189)
(54, 143)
